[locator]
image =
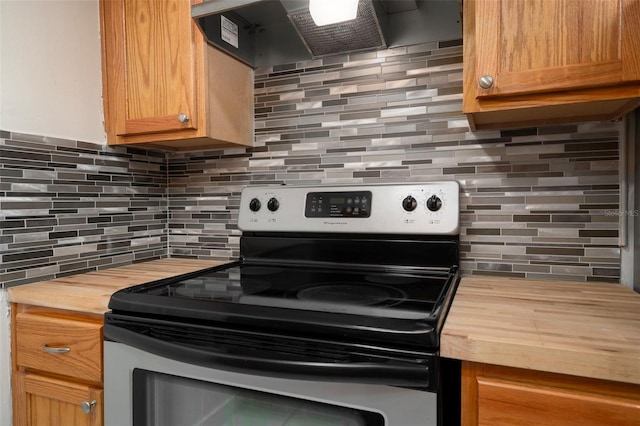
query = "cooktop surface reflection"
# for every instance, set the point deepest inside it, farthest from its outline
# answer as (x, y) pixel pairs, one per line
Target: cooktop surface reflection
(404, 295)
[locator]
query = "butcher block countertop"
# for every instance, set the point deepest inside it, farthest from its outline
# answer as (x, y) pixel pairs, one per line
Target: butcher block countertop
(582, 329)
(90, 292)
(590, 330)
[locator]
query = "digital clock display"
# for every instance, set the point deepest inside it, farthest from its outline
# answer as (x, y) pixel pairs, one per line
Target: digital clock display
(352, 204)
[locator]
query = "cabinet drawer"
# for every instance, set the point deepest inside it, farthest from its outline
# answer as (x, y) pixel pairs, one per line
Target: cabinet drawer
(506, 403)
(59, 345)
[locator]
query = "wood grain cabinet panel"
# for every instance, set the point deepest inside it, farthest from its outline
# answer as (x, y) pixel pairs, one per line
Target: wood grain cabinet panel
(58, 345)
(57, 366)
(550, 61)
(500, 396)
(49, 401)
(160, 67)
(164, 86)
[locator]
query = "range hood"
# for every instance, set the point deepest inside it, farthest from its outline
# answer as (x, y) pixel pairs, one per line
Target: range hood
(265, 33)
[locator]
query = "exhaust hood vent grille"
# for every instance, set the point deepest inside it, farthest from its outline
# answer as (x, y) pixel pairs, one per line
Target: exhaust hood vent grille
(362, 33)
(264, 33)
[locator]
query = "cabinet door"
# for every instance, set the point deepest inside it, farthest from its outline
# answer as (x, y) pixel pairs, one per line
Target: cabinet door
(501, 396)
(46, 401)
(152, 62)
(538, 46)
(510, 403)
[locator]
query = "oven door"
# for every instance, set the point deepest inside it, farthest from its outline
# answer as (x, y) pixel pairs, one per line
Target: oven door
(147, 389)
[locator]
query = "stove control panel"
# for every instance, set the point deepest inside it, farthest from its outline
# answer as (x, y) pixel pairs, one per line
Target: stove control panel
(413, 208)
(338, 204)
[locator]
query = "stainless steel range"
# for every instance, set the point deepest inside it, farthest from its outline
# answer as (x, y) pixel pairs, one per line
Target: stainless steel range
(332, 315)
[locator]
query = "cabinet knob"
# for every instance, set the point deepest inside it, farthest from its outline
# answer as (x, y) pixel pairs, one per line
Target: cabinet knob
(183, 118)
(87, 406)
(485, 81)
(55, 349)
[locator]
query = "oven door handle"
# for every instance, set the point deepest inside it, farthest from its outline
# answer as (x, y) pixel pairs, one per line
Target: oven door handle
(394, 373)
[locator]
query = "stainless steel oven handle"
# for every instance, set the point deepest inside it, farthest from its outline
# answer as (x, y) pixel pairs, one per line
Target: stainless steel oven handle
(383, 373)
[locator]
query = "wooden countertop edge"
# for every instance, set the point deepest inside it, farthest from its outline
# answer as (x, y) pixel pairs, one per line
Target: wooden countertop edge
(552, 326)
(92, 291)
(612, 366)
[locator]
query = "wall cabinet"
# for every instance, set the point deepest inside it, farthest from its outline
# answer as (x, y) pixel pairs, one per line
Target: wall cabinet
(532, 62)
(502, 396)
(57, 367)
(163, 86)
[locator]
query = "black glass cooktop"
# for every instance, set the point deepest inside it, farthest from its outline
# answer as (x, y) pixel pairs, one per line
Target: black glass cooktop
(402, 305)
(402, 295)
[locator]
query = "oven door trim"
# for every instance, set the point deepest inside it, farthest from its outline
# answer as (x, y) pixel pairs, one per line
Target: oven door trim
(399, 406)
(396, 368)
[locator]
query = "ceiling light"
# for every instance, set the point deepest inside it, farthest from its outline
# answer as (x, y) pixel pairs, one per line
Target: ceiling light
(325, 12)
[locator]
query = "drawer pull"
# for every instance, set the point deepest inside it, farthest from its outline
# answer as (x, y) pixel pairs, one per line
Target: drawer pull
(55, 349)
(87, 406)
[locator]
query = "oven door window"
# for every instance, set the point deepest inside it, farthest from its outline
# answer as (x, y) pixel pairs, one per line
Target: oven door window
(162, 399)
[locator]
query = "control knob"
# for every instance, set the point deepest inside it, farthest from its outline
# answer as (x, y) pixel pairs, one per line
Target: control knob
(409, 203)
(254, 205)
(434, 203)
(273, 204)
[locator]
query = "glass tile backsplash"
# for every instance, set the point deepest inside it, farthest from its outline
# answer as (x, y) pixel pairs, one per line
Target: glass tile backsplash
(69, 207)
(538, 202)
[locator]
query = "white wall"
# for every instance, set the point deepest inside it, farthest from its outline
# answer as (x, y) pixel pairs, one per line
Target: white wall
(5, 361)
(50, 85)
(50, 72)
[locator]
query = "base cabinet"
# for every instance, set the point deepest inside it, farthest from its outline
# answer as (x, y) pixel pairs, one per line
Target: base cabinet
(48, 401)
(57, 367)
(502, 396)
